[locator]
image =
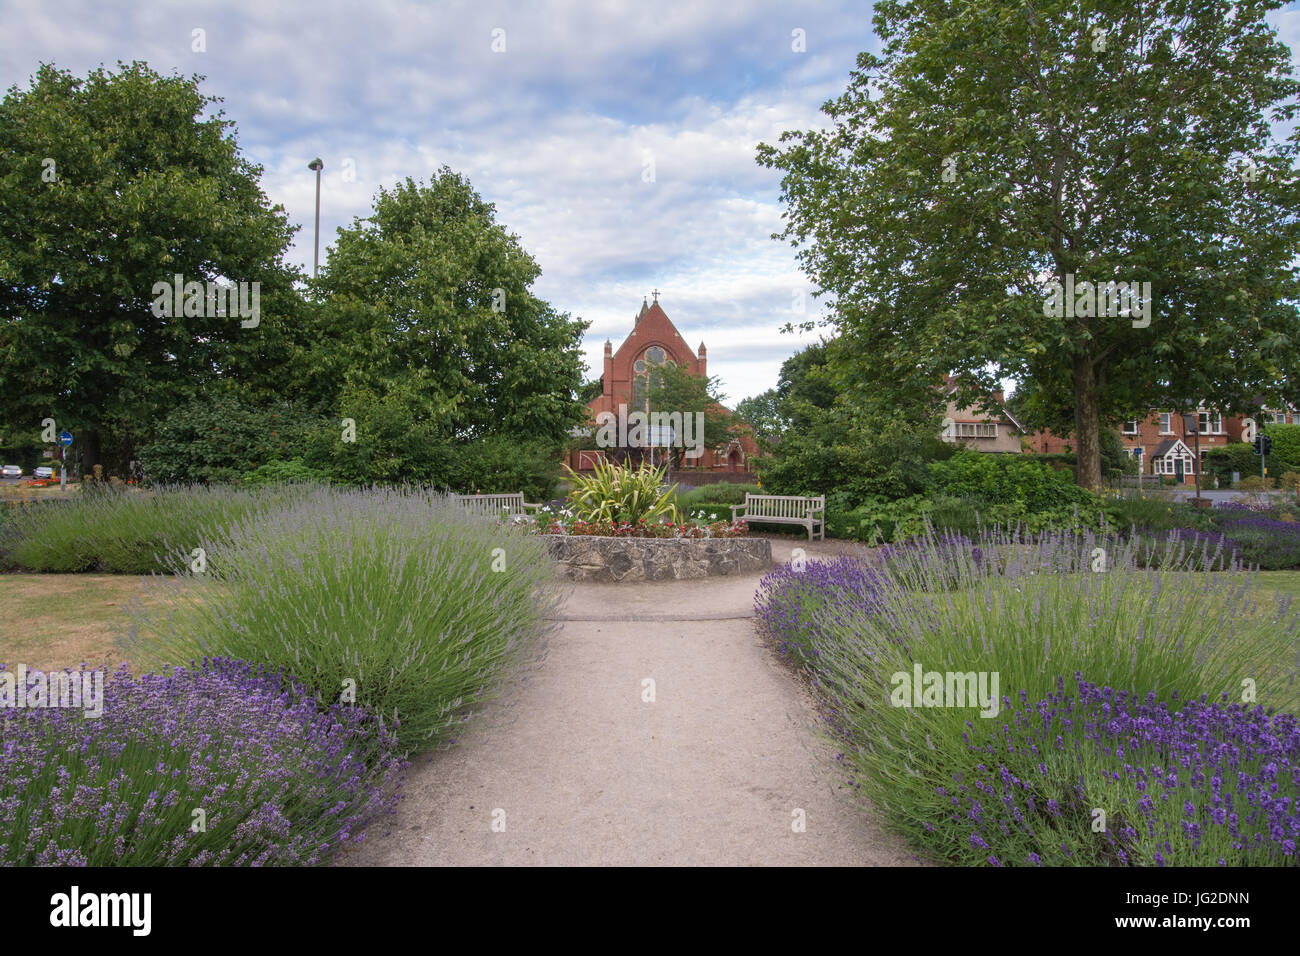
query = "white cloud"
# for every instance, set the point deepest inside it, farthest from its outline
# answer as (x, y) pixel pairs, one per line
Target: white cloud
(553, 131)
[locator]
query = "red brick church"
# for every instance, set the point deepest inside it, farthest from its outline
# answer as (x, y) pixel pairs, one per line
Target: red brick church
(654, 340)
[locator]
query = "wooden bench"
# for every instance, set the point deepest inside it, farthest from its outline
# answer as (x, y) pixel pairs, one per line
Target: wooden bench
(785, 509)
(492, 506)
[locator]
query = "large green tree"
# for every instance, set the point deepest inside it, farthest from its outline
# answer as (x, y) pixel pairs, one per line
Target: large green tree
(675, 389)
(996, 147)
(823, 438)
(429, 298)
(108, 185)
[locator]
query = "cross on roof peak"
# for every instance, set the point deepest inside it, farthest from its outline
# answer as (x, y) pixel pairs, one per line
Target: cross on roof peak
(655, 293)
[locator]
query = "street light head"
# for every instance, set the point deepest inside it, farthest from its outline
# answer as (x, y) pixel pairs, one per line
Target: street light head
(316, 164)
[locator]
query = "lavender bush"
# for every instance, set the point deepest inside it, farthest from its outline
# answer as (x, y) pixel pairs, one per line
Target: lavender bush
(389, 597)
(1133, 615)
(126, 531)
(281, 778)
(1263, 542)
(1102, 777)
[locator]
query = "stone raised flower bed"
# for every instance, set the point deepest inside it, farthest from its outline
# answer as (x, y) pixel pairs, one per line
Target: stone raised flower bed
(592, 558)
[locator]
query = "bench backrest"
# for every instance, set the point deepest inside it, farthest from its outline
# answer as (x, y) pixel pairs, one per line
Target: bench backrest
(491, 504)
(782, 506)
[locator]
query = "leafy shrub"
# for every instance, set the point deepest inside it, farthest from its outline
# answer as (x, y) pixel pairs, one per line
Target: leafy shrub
(499, 464)
(1001, 478)
(396, 442)
(1240, 457)
(877, 521)
(720, 493)
(124, 532)
(620, 494)
(283, 778)
(1285, 454)
(221, 438)
(1154, 513)
(1237, 457)
(416, 605)
(277, 472)
(1256, 483)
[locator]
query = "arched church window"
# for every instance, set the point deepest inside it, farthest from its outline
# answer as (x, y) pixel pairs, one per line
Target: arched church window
(644, 377)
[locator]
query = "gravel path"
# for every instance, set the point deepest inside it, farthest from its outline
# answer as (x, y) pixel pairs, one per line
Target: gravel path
(581, 768)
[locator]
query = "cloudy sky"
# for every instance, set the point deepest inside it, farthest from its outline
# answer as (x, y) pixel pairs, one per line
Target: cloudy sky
(558, 112)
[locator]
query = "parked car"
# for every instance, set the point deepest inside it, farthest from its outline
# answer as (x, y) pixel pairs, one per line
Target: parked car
(11, 471)
(45, 471)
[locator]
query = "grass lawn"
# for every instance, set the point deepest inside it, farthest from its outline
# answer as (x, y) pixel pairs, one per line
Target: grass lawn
(1280, 582)
(61, 620)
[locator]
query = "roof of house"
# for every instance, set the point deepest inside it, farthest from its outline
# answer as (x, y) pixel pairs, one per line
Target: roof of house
(1168, 445)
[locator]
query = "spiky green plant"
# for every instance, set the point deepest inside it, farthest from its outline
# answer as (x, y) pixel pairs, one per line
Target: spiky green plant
(615, 492)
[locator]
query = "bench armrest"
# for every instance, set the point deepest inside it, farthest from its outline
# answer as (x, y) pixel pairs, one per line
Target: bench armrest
(733, 511)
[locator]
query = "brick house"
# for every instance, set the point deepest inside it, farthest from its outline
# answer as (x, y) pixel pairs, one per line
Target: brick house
(1165, 442)
(625, 382)
(979, 430)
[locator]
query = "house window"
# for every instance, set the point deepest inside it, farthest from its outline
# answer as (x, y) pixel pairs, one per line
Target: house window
(1131, 427)
(1168, 465)
(1210, 423)
(1166, 425)
(975, 429)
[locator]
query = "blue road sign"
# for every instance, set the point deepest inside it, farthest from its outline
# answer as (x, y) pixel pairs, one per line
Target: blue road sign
(65, 439)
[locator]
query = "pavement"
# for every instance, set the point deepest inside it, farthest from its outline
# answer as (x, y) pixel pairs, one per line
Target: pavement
(1220, 496)
(657, 729)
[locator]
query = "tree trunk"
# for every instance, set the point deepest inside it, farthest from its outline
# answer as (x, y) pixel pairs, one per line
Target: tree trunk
(90, 452)
(1087, 425)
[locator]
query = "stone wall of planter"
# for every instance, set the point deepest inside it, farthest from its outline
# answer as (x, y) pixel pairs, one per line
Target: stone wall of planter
(590, 558)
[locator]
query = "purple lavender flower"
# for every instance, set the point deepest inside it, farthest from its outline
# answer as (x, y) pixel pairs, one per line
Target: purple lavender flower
(222, 763)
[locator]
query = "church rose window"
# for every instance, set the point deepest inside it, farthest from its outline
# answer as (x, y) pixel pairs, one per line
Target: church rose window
(655, 355)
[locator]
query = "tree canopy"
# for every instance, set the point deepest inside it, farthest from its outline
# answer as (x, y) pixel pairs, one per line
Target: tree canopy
(994, 149)
(421, 332)
(108, 185)
(429, 296)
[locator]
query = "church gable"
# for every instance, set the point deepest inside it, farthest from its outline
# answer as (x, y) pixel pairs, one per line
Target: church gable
(654, 340)
(653, 327)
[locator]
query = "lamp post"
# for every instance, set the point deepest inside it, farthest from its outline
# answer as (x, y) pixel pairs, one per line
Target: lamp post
(1192, 424)
(317, 165)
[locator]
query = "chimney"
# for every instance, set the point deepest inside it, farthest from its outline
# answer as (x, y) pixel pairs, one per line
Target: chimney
(607, 380)
(701, 360)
